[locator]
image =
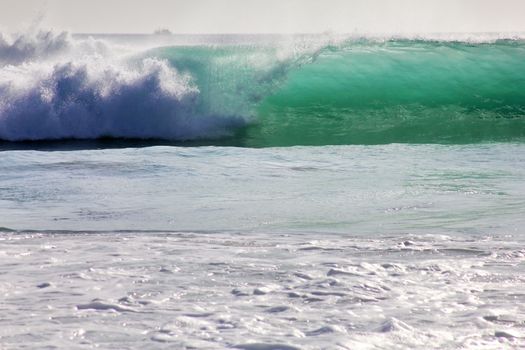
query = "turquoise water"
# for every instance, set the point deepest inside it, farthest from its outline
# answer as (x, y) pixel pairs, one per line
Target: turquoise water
(431, 133)
(268, 93)
(365, 92)
(375, 196)
(369, 190)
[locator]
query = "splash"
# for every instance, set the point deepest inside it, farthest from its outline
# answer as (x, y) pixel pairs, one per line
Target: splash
(265, 91)
(55, 87)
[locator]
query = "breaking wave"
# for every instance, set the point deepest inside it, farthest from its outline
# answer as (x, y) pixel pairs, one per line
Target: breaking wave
(309, 92)
(53, 87)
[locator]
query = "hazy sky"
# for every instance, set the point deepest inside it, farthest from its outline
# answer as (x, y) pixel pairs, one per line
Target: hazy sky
(266, 16)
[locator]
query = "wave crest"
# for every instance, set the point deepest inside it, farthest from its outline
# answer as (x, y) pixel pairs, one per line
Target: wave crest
(97, 96)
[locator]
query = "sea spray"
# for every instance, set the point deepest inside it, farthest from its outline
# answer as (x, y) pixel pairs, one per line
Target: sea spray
(62, 96)
(306, 91)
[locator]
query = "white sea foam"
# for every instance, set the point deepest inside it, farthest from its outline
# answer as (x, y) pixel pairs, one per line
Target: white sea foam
(126, 301)
(285, 247)
(56, 87)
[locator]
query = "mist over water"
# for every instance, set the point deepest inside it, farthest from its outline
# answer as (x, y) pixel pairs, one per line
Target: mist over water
(268, 16)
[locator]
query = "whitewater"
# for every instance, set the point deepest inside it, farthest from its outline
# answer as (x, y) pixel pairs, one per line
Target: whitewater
(262, 192)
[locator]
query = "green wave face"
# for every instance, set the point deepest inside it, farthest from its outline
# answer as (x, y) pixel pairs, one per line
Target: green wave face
(399, 92)
(231, 80)
(366, 92)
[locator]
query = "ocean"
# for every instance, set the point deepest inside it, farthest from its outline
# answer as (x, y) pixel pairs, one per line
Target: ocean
(262, 191)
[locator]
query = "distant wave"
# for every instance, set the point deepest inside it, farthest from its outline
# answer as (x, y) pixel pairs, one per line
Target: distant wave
(309, 90)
